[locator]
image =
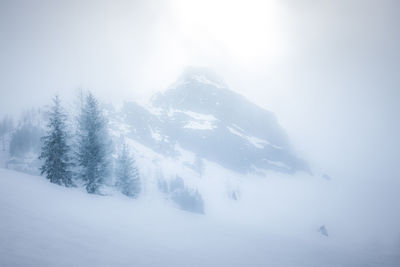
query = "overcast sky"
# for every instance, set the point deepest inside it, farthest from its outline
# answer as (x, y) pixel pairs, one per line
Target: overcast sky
(328, 69)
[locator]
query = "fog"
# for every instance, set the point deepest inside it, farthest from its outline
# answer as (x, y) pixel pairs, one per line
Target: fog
(329, 70)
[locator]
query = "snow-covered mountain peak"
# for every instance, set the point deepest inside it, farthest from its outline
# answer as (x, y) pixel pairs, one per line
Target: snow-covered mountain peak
(201, 75)
(202, 115)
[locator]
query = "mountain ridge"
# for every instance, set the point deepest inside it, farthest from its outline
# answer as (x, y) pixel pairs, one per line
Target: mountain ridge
(201, 114)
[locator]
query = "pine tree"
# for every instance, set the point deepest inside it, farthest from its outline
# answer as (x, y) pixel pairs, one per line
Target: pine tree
(55, 149)
(93, 149)
(128, 180)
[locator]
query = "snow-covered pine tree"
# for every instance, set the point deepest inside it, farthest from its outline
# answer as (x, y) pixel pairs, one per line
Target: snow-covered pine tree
(127, 175)
(93, 145)
(55, 149)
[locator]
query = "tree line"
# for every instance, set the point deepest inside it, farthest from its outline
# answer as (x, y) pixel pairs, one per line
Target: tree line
(85, 155)
(6, 127)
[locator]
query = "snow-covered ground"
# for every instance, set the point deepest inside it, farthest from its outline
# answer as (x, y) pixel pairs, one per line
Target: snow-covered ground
(42, 224)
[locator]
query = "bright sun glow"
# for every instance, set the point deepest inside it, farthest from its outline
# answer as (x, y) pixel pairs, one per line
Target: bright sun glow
(245, 29)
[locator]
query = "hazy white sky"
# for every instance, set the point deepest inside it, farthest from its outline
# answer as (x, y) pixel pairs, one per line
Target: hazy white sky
(328, 69)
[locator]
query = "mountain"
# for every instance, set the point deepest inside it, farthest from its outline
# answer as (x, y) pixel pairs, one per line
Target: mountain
(194, 143)
(200, 114)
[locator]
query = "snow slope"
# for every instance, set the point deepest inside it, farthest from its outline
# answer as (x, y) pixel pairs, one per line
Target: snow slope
(43, 224)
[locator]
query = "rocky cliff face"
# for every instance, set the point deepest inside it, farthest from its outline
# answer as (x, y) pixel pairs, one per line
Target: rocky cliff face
(200, 114)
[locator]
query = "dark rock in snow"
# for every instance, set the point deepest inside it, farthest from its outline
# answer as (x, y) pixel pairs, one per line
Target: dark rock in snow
(323, 231)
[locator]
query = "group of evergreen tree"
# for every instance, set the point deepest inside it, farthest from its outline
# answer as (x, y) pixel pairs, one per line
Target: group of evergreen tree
(6, 127)
(88, 158)
(22, 138)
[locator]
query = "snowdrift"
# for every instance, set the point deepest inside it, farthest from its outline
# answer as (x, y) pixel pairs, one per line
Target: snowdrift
(43, 224)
